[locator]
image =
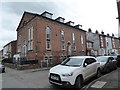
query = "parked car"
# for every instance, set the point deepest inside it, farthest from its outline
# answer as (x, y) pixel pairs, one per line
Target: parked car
(2, 68)
(107, 63)
(118, 60)
(73, 71)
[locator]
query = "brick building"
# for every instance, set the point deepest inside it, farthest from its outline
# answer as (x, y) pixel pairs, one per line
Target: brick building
(10, 49)
(115, 45)
(102, 50)
(93, 43)
(42, 38)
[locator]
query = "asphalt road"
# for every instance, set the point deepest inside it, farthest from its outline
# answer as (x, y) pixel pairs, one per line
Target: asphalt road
(29, 79)
(25, 79)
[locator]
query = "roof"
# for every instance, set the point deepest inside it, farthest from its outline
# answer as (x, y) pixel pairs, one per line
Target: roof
(105, 56)
(35, 14)
(82, 57)
(10, 43)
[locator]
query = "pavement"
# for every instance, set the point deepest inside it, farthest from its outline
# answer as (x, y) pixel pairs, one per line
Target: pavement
(110, 81)
(36, 69)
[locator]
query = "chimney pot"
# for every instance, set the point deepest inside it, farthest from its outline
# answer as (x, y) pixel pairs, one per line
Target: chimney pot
(112, 34)
(108, 34)
(96, 32)
(89, 30)
(102, 32)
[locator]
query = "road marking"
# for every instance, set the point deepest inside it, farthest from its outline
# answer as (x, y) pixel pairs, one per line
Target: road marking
(98, 84)
(99, 79)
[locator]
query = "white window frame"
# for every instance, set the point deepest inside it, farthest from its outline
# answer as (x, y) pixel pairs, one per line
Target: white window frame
(48, 40)
(113, 42)
(24, 48)
(62, 39)
(74, 41)
(101, 41)
(19, 43)
(82, 43)
(30, 38)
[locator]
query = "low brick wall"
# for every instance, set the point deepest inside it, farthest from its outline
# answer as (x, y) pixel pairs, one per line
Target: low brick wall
(22, 67)
(10, 65)
(28, 66)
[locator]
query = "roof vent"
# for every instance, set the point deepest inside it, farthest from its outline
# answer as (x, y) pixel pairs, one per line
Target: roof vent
(60, 19)
(47, 14)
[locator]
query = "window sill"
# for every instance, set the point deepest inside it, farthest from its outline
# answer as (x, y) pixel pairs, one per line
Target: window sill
(48, 49)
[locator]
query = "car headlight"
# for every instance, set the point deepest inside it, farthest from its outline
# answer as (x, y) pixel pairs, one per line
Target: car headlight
(67, 74)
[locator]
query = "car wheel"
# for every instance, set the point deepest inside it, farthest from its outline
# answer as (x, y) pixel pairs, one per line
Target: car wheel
(98, 73)
(3, 70)
(115, 67)
(78, 83)
(108, 70)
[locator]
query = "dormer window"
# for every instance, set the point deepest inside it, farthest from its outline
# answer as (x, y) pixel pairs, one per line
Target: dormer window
(60, 19)
(47, 14)
(78, 26)
(70, 23)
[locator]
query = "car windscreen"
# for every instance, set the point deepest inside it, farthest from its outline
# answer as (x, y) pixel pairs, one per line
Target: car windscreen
(75, 62)
(102, 59)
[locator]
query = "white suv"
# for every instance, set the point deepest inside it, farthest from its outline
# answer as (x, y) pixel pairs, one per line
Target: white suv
(74, 71)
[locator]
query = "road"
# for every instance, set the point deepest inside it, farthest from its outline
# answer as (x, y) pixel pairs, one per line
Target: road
(28, 79)
(25, 79)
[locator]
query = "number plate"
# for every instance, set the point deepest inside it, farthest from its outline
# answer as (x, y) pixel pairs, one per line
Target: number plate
(54, 77)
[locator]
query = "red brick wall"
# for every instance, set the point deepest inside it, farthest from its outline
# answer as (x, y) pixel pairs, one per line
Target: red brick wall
(39, 41)
(116, 43)
(13, 47)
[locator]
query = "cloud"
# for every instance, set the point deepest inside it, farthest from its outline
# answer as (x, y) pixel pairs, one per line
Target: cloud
(19, 7)
(95, 14)
(12, 12)
(6, 37)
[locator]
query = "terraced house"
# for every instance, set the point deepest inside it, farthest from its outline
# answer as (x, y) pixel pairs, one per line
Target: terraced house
(42, 38)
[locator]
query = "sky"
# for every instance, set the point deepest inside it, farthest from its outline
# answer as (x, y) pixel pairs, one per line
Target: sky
(95, 14)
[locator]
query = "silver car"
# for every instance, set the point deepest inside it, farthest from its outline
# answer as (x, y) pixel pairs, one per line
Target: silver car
(107, 63)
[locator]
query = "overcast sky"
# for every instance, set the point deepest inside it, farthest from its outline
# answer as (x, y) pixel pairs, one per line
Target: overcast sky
(95, 14)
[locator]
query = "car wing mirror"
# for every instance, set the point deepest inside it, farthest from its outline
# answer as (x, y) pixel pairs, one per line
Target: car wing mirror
(85, 64)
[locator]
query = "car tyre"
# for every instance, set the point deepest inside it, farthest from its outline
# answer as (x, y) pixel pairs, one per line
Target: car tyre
(78, 82)
(98, 73)
(3, 70)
